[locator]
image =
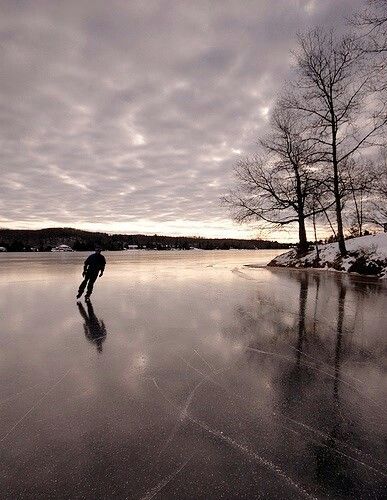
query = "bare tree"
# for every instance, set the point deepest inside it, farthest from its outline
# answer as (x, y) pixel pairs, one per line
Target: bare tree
(333, 92)
(372, 22)
(378, 212)
(277, 186)
(360, 181)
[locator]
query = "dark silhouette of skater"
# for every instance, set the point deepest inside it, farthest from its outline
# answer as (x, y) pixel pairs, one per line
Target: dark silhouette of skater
(94, 264)
(95, 330)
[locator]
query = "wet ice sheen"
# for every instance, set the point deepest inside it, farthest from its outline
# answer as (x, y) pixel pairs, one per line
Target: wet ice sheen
(190, 376)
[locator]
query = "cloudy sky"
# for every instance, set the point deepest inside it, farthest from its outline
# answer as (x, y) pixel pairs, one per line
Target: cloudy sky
(128, 116)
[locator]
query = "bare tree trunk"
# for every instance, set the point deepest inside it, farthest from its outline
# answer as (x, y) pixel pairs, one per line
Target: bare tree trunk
(303, 242)
(315, 236)
(336, 192)
(328, 219)
(340, 231)
(358, 206)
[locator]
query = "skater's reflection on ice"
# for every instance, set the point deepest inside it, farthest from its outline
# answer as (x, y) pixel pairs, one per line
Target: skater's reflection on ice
(95, 330)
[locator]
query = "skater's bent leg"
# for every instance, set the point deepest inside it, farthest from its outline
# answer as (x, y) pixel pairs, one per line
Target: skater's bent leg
(82, 286)
(91, 284)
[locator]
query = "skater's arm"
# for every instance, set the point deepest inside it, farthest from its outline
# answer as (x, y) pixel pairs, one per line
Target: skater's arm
(103, 264)
(85, 266)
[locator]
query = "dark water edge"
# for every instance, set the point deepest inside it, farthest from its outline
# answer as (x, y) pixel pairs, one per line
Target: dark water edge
(191, 376)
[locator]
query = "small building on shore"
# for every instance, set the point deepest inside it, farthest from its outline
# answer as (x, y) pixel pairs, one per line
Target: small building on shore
(62, 248)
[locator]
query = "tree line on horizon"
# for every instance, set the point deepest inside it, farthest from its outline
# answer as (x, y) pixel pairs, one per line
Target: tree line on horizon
(19, 240)
(323, 160)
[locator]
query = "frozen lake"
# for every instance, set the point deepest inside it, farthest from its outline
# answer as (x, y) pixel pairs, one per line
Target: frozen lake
(190, 376)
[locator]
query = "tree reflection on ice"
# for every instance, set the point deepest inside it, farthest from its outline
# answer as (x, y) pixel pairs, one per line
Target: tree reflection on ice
(310, 349)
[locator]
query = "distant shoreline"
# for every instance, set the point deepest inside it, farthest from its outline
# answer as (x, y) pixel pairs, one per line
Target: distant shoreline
(44, 240)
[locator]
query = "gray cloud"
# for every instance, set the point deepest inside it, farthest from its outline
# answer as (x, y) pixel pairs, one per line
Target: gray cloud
(128, 116)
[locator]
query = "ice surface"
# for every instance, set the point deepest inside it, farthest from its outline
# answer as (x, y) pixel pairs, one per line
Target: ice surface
(190, 376)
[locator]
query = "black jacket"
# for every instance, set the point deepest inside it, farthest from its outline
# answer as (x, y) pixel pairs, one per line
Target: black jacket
(95, 263)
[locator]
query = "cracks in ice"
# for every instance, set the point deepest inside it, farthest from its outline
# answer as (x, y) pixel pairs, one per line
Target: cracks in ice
(311, 429)
(188, 400)
(313, 367)
(163, 483)
(35, 405)
(239, 447)
(204, 360)
(325, 364)
(17, 394)
(339, 441)
(182, 416)
(245, 276)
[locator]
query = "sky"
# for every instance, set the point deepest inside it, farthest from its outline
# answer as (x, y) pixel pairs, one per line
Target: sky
(128, 116)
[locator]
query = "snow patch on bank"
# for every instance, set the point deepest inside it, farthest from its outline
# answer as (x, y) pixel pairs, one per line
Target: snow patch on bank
(366, 255)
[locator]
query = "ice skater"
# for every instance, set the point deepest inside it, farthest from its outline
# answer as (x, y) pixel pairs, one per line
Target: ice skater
(94, 264)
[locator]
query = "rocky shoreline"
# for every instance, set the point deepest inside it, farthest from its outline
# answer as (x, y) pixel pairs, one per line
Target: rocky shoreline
(367, 255)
